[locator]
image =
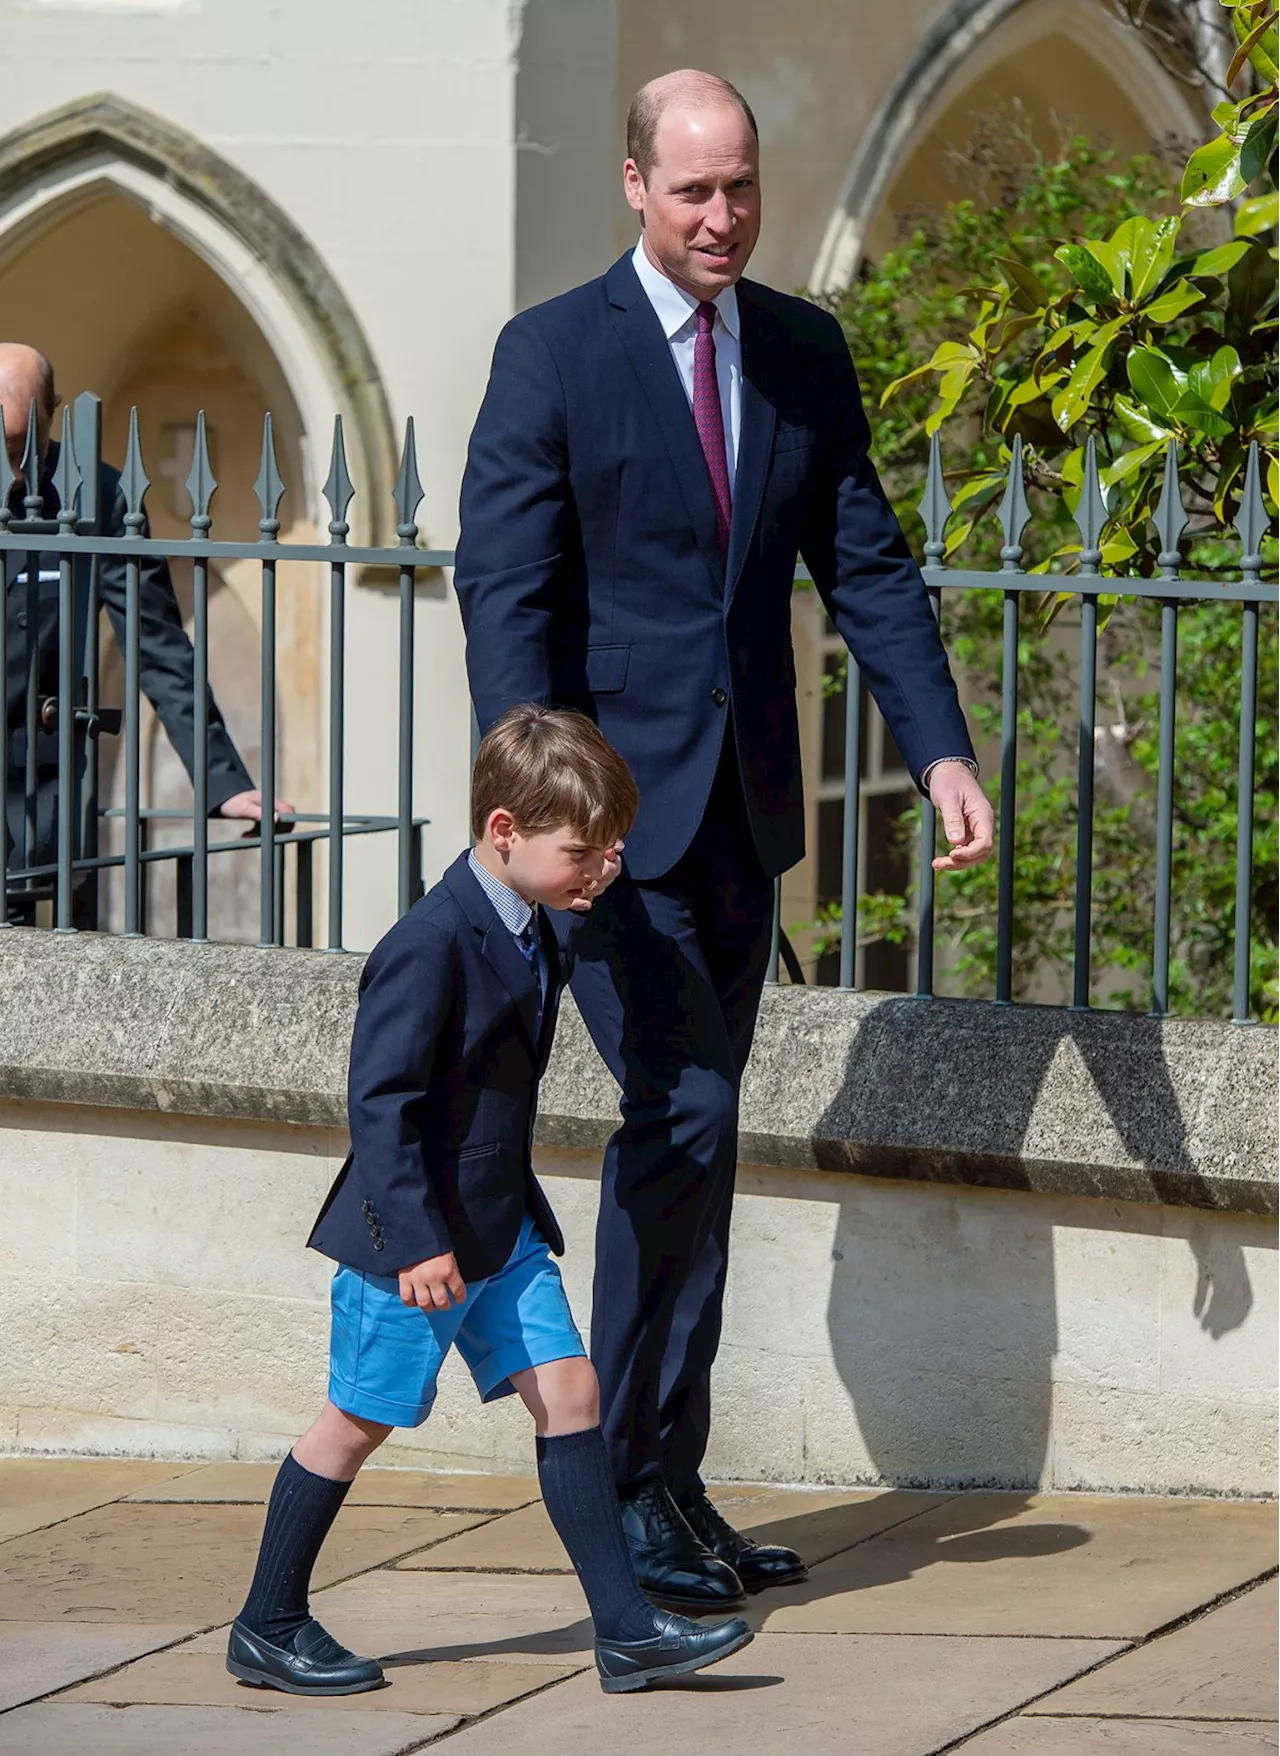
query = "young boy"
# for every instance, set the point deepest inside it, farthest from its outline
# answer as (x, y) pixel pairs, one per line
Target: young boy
(438, 1224)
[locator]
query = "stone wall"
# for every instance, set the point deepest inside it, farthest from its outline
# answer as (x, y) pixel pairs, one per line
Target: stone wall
(971, 1245)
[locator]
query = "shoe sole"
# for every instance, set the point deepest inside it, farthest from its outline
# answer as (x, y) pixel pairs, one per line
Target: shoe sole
(796, 1578)
(695, 1606)
(642, 1679)
(264, 1680)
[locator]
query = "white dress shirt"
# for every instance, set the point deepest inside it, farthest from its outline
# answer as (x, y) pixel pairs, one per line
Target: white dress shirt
(678, 314)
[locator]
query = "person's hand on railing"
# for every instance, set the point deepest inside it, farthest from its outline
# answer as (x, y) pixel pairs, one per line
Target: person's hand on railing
(248, 806)
(967, 819)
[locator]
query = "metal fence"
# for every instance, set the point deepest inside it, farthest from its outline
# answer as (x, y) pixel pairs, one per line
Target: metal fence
(75, 529)
(1172, 591)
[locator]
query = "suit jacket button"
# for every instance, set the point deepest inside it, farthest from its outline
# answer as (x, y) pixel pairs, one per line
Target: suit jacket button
(719, 696)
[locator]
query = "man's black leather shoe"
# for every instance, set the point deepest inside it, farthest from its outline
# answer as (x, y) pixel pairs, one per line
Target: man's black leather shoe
(316, 1664)
(671, 1563)
(677, 1647)
(758, 1565)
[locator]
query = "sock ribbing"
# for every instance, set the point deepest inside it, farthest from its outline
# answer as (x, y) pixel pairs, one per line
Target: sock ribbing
(300, 1515)
(582, 1503)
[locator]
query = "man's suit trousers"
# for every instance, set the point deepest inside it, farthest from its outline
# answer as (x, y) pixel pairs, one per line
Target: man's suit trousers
(668, 974)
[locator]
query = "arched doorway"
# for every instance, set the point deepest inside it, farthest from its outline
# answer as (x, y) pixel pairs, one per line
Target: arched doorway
(203, 297)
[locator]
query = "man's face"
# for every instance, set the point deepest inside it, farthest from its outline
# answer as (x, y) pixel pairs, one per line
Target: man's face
(701, 206)
(15, 398)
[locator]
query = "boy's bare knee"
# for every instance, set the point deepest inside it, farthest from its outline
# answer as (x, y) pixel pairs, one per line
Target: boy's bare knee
(562, 1397)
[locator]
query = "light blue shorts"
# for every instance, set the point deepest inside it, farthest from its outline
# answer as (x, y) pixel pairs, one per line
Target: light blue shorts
(385, 1356)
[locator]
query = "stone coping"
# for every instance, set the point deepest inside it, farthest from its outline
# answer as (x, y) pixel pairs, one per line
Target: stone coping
(1180, 1112)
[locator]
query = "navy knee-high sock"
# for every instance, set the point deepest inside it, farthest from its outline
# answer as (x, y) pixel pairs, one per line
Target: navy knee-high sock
(300, 1514)
(582, 1503)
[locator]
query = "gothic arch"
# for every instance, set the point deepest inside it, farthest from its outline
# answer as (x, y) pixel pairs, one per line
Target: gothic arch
(961, 43)
(71, 154)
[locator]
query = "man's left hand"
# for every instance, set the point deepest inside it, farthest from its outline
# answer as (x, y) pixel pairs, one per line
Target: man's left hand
(610, 867)
(967, 818)
(248, 806)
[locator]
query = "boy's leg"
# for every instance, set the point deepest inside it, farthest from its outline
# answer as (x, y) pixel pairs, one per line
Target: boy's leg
(307, 1496)
(635, 1643)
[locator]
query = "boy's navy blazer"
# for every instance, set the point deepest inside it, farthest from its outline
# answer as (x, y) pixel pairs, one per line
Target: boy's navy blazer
(589, 572)
(442, 1091)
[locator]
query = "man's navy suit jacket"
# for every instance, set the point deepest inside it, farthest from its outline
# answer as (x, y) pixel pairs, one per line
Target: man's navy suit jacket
(589, 572)
(442, 1091)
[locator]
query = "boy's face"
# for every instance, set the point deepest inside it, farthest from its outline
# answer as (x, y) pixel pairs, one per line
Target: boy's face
(558, 868)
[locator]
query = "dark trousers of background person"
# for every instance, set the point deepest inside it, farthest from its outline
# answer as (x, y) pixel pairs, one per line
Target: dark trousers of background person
(668, 975)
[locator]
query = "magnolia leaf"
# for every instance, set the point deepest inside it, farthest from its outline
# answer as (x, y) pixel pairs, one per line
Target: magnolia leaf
(1031, 391)
(1227, 115)
(1151, 253)
(1218, 260)
(1034, 294)
(1259, 146)
(1156, 381)
(1180, 297)
(1251, 283)
(981, 488)
(1251, 40)
(1213, 174)
(1210, 381)
(1088, 274)
(1230, 465)
(1129, 461)
(957, 535)
(1113, 254)
(907, 378)
(1118, 548)
(1273, 480)
(1070, 403)
(1259, 214)
(1137, 424)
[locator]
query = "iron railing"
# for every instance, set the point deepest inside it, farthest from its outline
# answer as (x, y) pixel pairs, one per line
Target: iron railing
(76, 530)
(1088, 584)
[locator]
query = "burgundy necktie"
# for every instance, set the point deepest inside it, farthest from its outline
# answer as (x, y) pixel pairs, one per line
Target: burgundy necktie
(709, 420)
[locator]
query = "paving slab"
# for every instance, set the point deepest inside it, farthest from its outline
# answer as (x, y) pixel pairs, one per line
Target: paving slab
(420, 1618)
(1026, 1736)
(38, 1491)
(198, 1678)
(187, 1564)
(1078, 1565)
(1223, 1666)
(54, 1729)
(250, 1484)
(37, 1658)
(829, 1696)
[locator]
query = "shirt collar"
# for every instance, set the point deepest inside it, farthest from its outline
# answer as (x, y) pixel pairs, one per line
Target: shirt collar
(675, 307)
(512, 909)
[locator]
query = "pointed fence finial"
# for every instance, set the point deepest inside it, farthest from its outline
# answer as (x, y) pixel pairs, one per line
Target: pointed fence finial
(1170, 518)
(1251, 519)
(269, 486)
(1015, 514)
(133, 479)
(67, 478)
(338, 489)
(1091, 513)
(935, 507)
(202, 484)
(32, 498)
(7, 479)
(408, 489)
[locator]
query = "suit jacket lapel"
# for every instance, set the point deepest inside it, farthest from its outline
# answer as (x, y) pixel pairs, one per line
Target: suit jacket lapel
(755, 440)
(649, 352)
(498, 946)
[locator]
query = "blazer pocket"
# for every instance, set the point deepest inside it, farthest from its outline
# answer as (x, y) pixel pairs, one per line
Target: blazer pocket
(482, 1151)
(792, 439)
(607, 669)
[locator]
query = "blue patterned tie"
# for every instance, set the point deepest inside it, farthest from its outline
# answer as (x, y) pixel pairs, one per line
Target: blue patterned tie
(531, 951)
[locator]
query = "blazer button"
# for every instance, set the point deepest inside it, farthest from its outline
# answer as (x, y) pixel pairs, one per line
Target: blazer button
(719, 697)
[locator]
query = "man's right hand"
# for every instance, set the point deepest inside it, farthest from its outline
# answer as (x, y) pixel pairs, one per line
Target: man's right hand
(433, 1285)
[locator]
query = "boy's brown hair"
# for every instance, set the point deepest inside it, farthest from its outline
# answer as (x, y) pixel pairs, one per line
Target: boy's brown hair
(553, 769)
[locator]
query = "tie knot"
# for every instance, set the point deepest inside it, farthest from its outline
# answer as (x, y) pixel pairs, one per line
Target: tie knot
(706, 318)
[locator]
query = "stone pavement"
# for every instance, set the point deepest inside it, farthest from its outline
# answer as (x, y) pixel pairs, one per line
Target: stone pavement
(994, 1623)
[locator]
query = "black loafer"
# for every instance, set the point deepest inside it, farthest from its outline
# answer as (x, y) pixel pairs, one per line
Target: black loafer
(316, 1664)
(758, 1565)
(676, 1648)
(671, 1563)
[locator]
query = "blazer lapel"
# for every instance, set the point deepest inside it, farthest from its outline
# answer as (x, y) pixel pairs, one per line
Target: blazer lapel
(649, 352)
(498, 946)
(755, 441)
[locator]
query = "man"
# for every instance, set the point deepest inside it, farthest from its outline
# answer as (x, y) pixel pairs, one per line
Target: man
(168, 674)
(653, 451)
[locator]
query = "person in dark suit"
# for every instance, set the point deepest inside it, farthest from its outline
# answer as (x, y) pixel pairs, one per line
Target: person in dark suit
(653, 451)
(441, 1231)
(31, 610)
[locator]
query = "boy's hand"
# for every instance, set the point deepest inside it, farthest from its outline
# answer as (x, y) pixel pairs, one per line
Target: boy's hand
(433, 1285)
(610, 866)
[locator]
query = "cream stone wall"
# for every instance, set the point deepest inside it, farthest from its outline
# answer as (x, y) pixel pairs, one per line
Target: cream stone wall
(157, 1299)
